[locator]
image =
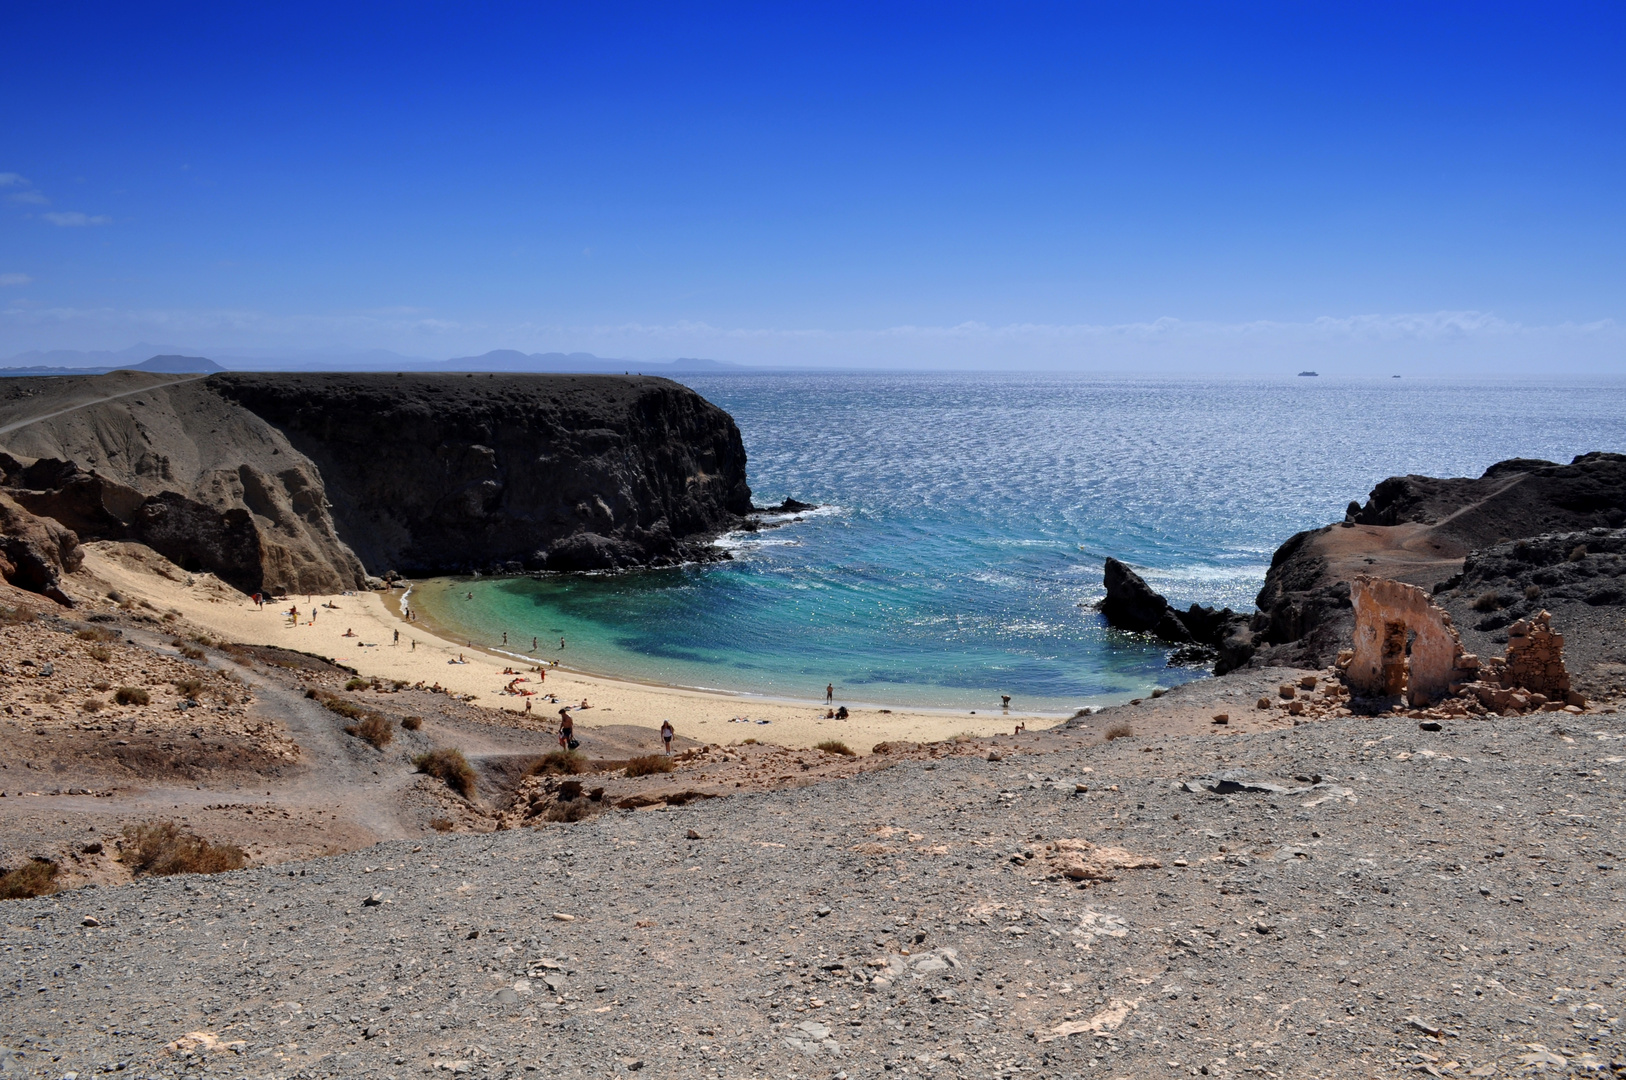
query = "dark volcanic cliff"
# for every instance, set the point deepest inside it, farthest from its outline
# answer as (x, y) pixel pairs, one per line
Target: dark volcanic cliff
(445, 473)
(307, 483)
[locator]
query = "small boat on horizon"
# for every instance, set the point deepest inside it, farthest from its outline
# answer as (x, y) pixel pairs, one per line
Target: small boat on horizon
(1309, 374)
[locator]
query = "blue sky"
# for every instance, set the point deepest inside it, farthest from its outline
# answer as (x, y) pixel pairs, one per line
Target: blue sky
(1223, 187)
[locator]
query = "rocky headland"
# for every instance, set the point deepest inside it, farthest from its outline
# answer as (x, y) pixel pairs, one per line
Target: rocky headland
(313, 483)
(1526, 536)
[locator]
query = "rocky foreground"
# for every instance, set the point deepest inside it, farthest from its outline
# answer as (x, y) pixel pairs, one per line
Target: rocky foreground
(1351, 897)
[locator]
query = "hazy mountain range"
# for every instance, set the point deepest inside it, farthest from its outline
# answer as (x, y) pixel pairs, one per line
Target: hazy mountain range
(172, 359)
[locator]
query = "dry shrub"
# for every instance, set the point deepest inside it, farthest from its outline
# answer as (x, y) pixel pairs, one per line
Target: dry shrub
(37, 877)
(100, 653)
(560, 763)
(412, 723)
(374, 729)
(189, 688)
(1532, 592)
(442, 824)
(836, 746)
(1489, 601)
(15, 616)
(94, 705)
(574, 810)
(748, 742)
(191, 652)
(1578, 553)
(132, 695)
(102, 685)
(50, 697)
(1120, 730)
(650, 764)
(336, 704)
(451, 766)
(160, 848)
(96, 633)
(357, 684)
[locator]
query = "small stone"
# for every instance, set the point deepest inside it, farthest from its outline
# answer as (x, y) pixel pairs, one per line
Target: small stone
(1222, 718)
(1263, 703)
(1287, 691)
(994, 755)
(91, 920)
(692, 835)
(374, 900)
(822, 912)
(562, 917)
(1429, 725)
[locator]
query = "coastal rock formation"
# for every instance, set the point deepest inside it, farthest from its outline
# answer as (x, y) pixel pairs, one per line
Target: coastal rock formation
(304, 483)
(446, 473)
(205, 483)
(1419, 530)
(35, 552)
(1206, 635)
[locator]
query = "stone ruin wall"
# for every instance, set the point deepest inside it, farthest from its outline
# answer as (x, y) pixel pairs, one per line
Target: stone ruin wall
(1406, 646)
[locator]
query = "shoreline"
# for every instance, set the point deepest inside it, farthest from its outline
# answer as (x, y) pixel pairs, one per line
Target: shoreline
(1093, 703)
(713, 716)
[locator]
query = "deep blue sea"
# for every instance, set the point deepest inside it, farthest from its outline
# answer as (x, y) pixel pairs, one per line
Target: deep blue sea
(964, 519)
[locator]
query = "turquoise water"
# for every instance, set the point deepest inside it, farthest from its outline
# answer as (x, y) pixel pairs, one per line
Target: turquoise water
(965, 518)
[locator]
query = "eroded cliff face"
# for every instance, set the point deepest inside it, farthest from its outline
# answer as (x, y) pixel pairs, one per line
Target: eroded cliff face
(306, 483)
(200, 480)
(442, 473)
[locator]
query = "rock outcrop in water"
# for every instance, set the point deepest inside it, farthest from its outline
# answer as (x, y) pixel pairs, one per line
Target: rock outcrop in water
(1205, 634)
(307, 483)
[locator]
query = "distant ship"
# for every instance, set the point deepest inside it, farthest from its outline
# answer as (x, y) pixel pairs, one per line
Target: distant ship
(1309, 374)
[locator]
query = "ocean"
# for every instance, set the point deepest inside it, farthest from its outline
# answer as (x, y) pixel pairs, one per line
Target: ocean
(963, 519)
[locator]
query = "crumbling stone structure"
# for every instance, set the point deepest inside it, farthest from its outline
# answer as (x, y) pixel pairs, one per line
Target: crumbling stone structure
(1404, 644)
(1535, 658)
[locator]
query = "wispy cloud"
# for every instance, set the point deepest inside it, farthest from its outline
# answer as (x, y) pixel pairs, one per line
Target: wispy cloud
(15, 279)
(1442, 342)
(33, 197)
(11, 179)
(73, 219)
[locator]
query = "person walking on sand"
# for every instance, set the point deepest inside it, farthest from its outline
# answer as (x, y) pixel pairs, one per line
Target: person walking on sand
(830, 694)
(397, 640)
(567, 730)
(666, 736)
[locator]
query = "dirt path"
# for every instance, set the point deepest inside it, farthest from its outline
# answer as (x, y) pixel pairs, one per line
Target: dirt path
(6, 429)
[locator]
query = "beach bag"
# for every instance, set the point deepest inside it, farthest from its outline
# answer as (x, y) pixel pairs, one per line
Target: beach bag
(574, 744)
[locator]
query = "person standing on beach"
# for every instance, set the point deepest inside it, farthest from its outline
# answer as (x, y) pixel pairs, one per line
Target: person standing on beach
(397, 640)
(666, 736)
(830, 694)
(567, 730)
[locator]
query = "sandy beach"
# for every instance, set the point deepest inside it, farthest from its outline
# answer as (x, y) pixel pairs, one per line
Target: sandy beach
(360, 631)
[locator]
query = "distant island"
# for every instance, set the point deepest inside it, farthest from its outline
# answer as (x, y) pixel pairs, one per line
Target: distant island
(1309, 374)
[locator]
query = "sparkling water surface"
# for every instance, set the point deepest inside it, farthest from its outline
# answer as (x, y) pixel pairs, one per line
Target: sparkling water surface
(964, 518)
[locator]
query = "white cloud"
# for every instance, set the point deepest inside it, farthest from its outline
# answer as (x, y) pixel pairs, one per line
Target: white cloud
(75, 219)
(15, 279)
(29, 197)
(11, 179)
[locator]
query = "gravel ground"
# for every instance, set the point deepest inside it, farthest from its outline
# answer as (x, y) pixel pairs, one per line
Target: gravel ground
(1442, 902)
